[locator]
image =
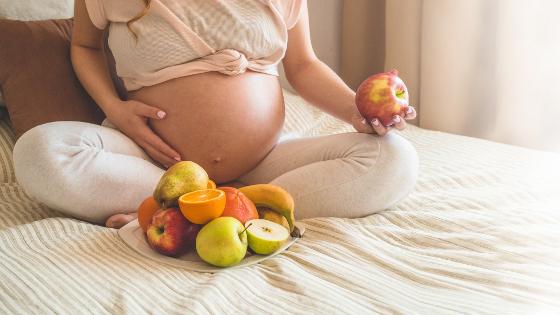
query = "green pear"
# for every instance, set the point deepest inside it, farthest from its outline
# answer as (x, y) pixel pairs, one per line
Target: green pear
(181, 178)
(265, 237)
(222, 242)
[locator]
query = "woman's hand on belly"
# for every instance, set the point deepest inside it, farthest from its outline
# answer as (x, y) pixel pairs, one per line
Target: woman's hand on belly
(226, 124)
(131, 118)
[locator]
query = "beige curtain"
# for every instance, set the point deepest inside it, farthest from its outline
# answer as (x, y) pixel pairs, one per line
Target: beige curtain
(349, 36)
(368, 43)
(481, 68)
(363, 40)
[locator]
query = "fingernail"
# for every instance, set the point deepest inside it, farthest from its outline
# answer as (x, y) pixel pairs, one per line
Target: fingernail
(166, 166)
(397, 119)
(409, 110)
(178, 159)
(161, 114)
(375, 122)
(364, 121)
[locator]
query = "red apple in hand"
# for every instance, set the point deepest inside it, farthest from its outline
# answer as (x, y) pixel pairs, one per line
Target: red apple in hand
(170, 234)
(382, 96)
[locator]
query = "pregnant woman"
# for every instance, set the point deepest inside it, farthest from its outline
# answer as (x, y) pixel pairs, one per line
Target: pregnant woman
(203, 85)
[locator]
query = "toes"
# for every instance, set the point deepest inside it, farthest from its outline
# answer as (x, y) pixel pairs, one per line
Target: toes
(119, 220)
(113, 221)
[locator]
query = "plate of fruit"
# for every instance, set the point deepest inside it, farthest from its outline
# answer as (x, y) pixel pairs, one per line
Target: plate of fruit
(191, 223)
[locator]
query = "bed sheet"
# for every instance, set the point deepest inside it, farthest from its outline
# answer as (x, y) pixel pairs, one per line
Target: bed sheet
(480, 234)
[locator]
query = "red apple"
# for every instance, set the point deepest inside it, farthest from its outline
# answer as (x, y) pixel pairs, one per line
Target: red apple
(238, 205)
(382, 96)
(170, 234)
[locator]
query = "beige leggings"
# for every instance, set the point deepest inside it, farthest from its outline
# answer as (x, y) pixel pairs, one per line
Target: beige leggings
(91, 172)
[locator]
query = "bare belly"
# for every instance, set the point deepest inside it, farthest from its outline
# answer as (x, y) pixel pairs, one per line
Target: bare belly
(227, 124)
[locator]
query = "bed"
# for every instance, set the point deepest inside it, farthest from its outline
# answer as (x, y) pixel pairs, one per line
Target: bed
(480, 234)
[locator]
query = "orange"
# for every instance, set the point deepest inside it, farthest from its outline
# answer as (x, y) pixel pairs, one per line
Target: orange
(145, 212)
(202, 206)
(211, 184)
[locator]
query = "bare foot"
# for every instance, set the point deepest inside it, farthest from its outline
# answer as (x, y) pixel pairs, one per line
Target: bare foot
(117, 221)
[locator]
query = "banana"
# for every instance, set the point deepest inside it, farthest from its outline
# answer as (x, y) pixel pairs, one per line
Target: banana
(272, 197)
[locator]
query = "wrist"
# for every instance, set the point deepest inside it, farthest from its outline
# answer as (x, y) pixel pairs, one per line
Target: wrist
(352, 109)
(352, 114)
(110, 108)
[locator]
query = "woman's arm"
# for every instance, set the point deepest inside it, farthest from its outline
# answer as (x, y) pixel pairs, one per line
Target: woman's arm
(131, 117)
(318, 84)
(89, 62)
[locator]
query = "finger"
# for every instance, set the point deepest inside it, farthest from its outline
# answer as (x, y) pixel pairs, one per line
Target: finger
(157, 156)
(399, 122)
(157, 143)
(365, 127)
(378, 127)
(410, 113)
(149, 111)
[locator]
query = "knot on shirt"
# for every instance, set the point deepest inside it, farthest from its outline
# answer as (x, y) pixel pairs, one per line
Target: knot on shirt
(233, 61)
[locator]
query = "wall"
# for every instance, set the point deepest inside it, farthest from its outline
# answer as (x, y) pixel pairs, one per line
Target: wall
(349, 36)
(363, 40)
(325, 21)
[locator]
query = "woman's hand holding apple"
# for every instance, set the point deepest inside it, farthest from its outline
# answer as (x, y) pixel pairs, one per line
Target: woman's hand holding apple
(374, 126)
(381, 104)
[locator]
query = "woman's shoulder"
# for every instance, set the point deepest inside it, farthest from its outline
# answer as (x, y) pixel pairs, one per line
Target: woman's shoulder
(103, 11)
(290, 10)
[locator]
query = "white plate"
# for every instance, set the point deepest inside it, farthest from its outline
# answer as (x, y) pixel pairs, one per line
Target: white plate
(134, 237)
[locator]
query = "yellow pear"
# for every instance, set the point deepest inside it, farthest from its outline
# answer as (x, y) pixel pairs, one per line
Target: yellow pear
(181, 178)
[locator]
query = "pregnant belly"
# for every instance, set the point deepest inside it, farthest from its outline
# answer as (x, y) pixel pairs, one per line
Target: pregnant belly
(227, 124)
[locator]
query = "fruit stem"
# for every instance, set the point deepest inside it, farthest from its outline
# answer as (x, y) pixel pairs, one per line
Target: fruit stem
(245, 228)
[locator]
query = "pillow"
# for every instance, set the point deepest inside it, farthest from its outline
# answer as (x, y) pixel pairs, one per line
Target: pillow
(27, 10)
(37, 80)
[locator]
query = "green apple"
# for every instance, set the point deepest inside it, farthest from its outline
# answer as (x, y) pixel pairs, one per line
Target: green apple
(222, 242)
(265, 237)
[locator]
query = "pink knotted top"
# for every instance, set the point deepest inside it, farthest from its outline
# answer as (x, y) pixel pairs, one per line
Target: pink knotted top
(179, 38)
(230, 61)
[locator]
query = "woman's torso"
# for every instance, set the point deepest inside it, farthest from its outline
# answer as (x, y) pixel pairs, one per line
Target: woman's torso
(229, 121)
(178, 38)
(227, 124)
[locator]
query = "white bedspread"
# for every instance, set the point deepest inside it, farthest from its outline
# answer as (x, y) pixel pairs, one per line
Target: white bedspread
(480, 234)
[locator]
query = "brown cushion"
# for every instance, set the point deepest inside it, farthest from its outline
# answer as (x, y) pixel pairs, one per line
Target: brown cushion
(37, 80)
